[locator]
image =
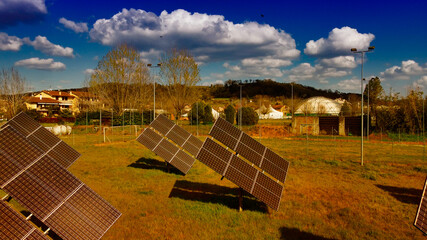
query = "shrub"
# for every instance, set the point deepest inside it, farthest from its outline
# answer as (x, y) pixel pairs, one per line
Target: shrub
(249, 116)
(230, 114)
(200, 113)
(208, 117)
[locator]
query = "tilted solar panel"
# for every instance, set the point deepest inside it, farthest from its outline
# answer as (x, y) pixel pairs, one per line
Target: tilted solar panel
(421, 217)
(14, 226)
(241, 173)
(166, 150)
(43, 139)
(250, 149)
(43, 187)
(177, 134)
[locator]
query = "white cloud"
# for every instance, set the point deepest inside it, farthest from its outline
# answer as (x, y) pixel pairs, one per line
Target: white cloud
(41, 64)
(89, 71)
(318, 72)
(404, 71)
(422, 82)
(339, 43)
(348, 85)
(45, 46)
(217, 82)
(9, 43)
(210, 36)
(14, 11)
(76, 27)
(339, 62)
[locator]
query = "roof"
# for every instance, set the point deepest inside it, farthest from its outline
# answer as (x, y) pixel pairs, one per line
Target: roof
(58, 93)
(319, 105)
(43, 100)
(82, 94)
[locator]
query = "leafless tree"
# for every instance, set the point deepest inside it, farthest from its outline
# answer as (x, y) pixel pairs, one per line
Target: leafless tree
(121, 80)
(12, 89)
(179, 73)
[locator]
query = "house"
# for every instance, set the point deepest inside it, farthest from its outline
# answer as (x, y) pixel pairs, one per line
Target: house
(42, 104)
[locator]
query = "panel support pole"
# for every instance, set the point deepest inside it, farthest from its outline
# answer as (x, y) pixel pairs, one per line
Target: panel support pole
(240, 199)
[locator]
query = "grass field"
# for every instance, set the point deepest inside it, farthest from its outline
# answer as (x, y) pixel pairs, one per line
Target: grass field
(327, 195)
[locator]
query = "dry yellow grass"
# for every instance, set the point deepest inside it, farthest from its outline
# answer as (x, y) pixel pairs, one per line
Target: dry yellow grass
(327, 195)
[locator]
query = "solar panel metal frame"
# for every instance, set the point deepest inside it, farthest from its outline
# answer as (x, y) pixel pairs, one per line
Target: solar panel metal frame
(238, 171)
(32, 171)
(43, 139)
(421, 216)
(250, 149)
(21, 229)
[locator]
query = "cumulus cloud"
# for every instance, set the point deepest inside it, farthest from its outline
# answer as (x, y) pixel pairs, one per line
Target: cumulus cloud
(404, 71)
(13, 11)
(9, 43)
(41, 64)
(421, 83)
(217, 82)
(45, 46)
(348, 85)
(251, 71)
(76, 27)
(339, 43)
(210, 36)
(318, 72)
(339, 62)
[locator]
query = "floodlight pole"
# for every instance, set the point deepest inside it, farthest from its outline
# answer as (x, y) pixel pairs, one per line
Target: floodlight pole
(292, 85)
(154, 88)
(362, 52)
(241, 107)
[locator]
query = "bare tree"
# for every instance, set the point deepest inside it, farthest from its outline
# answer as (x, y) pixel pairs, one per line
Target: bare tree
(121, 80)
(12, 88)
(180, 73)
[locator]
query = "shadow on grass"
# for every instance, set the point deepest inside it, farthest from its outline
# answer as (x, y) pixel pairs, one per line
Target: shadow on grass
(296, 234)
(211, 193)
(41, 225)
(149, 163)
(404, 195)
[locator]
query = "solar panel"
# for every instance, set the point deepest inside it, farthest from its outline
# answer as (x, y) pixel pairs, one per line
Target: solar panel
(44, 187)
(241, 173)
(43, 139)
(250, 149)
(166, 150)
(177, 134)
(14, 226)
(421, 217)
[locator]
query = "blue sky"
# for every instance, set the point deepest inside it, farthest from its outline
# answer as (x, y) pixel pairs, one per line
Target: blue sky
(56, 44)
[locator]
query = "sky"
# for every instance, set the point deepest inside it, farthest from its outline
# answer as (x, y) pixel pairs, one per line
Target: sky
(57, 44)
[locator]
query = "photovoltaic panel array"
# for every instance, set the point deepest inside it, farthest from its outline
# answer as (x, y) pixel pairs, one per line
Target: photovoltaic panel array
(250, 149)
(421, 217)
(51, 193)
(165, 149)
(177, 134)
(241, 173)
(14, 226)
(44, 140)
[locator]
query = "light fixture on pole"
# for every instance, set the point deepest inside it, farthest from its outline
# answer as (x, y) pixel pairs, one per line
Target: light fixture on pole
(154, 88)
(362, 52)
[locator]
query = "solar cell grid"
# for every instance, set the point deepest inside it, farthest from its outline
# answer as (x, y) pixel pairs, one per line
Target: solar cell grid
(249, 154)
(214, 156)
(178, 135)
(25, 123)
(166, 150)
(64, 154)
(16, 147)
(8, 169)
(268, 191)
(13, 224)
(85, 215)
(241, 173)
(149, 138)
(162, 124)
(47, 139)
(421, 217)
(36, 235)
(182, 161)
